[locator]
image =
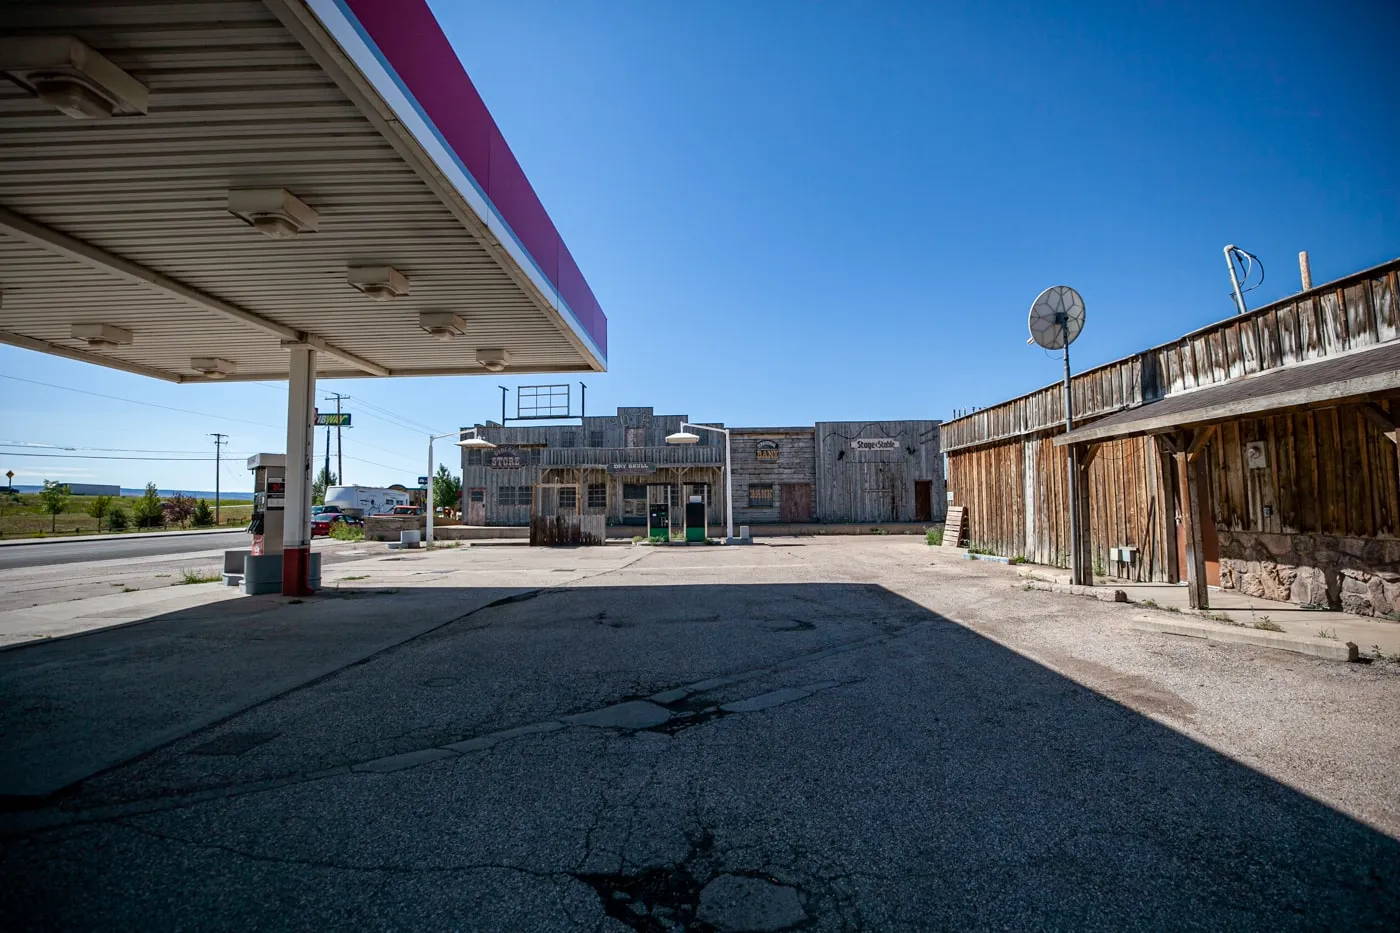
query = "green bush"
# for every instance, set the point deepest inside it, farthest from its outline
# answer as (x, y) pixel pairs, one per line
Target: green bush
(117, 519)
(344, 531)
(934, 537)
(148, 511)
(203, 516)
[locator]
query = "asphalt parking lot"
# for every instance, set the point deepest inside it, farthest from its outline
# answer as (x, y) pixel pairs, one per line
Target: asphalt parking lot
(844, 734)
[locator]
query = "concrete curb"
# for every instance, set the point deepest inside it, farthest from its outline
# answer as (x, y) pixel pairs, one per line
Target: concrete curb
(121, 536)
(1328, 648)
(1096, 592)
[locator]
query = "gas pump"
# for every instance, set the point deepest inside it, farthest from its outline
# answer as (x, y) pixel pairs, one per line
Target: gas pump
(258, 569)
(269, 503)
(695, 519)
(659, 513)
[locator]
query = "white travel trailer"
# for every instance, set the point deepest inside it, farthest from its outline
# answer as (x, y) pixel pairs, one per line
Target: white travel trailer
(364, 501)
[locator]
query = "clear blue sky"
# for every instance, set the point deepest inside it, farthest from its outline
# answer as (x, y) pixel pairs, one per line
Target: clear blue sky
(843, 211)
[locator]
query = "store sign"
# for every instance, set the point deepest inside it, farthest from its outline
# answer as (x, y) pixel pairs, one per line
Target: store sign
(505, 458)
(766, 451)
(874, 443)
(631, 469)
(333, 420)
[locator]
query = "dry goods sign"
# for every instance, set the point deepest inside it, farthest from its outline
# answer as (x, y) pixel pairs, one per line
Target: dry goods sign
(866, 444)
(766, 450)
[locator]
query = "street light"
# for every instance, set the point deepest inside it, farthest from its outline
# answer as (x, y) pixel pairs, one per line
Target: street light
(474, 443)
(686, 437)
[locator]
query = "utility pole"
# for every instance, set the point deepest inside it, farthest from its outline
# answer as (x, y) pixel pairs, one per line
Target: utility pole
(339, 449)
(219, 441)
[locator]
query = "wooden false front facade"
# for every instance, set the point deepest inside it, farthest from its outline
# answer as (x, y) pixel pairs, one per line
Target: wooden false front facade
(835, 472)
(1279, 425)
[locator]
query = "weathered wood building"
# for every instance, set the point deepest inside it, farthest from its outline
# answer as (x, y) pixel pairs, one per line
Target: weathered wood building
(1258, 453)
(880, 471)
(614, 460)
(834, 472)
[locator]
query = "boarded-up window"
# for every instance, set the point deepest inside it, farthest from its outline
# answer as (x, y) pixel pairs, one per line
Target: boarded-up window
(595, 438)
(566, 439)
(636, 437)
(761, 497)
(513, 495)
(474, 457)
(597, 495)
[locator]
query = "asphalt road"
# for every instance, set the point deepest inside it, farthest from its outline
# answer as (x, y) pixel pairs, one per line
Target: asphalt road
(827, 736)
(78, 550)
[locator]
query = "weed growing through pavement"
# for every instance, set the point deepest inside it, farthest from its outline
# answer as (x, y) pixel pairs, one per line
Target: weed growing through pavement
(1327, 633)
(1268, 624)
(934, 537)
(878, 531)
(1378, 655)
(1218, 617)
(195, 576)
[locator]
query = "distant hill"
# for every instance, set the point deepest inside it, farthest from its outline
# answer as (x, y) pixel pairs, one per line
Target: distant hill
(196, 493)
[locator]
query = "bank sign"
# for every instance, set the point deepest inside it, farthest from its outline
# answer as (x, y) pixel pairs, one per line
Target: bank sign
(874, 443)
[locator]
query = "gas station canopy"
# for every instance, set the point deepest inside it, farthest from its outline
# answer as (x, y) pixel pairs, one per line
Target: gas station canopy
(189, 189)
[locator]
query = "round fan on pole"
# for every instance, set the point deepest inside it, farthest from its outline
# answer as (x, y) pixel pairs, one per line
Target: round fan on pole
(1057, 317)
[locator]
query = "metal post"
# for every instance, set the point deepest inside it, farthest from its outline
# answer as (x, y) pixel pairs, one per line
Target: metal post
(728, 493)
(1076, 562)
(219, 441)
(339, 445)
(328, 455)
(429, 534)
(1234, 279)
(296, 519)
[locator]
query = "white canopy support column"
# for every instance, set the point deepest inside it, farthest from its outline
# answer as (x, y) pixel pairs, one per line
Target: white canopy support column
(296, 527)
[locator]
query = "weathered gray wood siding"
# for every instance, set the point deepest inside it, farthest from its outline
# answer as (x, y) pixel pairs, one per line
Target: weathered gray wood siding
(796, 463)
(629, 429)
(1358, 311)
(856, 485)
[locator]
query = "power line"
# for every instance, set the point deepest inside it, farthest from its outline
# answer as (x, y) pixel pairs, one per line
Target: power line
(118, 398)
(95, 457)
(118, 450)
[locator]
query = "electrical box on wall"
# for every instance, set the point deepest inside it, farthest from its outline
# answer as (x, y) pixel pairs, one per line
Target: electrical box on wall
(1256, 455)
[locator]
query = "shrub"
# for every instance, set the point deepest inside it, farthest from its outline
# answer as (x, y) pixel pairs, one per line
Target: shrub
(99, 507)
(178, 508)
(344, 531)
(934, 537)
(117, 519)
(148, 511)
(203, 515)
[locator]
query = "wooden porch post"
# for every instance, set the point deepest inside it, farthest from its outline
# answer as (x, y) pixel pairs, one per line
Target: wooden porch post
(1188, 463)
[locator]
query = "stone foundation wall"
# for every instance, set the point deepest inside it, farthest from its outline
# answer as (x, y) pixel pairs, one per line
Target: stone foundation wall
(1360, 575)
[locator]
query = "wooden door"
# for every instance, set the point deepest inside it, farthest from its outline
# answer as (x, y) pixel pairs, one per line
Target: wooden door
(795, 504)
(923, 500)
(1210, 541)
(476, 506)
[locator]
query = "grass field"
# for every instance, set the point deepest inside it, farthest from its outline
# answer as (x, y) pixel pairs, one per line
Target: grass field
(21, 517)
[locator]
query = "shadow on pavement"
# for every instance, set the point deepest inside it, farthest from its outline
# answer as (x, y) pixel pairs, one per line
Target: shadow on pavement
(878, 764)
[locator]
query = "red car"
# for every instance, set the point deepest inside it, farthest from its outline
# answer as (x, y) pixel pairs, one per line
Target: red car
(321, 524)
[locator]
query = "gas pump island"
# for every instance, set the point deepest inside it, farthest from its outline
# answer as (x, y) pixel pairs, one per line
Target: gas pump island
(258, 570)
